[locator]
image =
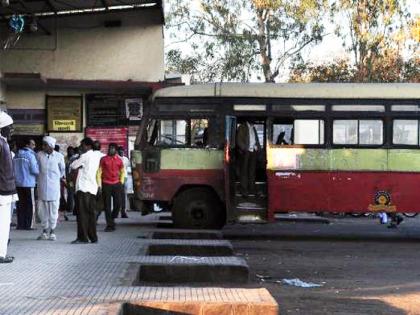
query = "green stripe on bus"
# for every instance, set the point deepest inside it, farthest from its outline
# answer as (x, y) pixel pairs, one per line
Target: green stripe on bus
(191, 159)
(343, 159)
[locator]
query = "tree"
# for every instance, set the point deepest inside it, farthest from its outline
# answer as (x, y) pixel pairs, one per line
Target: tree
(232, 40)
(389, 68)
(372, 31)
(337, 71)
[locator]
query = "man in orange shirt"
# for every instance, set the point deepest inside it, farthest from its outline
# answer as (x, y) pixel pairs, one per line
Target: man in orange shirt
(110, 178)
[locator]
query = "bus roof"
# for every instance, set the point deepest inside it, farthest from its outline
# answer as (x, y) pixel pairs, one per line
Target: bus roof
(296, 90)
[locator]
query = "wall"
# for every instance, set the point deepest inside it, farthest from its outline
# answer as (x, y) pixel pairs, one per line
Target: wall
(2, 92)
(81, 48)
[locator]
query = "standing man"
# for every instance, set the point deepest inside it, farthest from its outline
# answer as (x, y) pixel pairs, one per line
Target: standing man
(248, 145)
(124, 187)
(26, 170)
(110, 178)
(51, 170)
(86, 190)
(7, 185)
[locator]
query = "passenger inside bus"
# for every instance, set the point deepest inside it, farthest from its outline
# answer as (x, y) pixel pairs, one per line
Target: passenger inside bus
(280, 138)
(248, 145)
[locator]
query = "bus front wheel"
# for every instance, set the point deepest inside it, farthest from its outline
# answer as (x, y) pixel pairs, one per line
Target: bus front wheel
(198, 208)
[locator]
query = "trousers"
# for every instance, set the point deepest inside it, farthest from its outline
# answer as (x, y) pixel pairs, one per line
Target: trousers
(111, 195)
(4, 228)
(248, 163)
(24, 208)
(49, 213)
(86, 217)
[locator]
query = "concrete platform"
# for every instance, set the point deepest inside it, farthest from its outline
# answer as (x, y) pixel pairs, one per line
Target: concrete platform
(190, 248)
(182, 269)
(198, 301)
(187, 234)
(60, 278)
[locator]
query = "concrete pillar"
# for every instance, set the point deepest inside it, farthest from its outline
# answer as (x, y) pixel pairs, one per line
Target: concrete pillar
(2, 94)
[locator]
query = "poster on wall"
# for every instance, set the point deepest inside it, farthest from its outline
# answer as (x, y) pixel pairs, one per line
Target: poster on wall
(65, 140)
(64, 113)
(134, 108)
(105, 110)
(106, 136)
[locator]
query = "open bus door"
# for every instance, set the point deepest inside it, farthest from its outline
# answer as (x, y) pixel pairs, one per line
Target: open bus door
(229, 167)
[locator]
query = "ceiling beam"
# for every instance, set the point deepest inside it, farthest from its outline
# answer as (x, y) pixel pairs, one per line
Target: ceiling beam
(51, 6)
(105, 4)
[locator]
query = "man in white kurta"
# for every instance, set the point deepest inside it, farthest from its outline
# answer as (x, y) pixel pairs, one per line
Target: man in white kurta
(51, 171)
(7, 185)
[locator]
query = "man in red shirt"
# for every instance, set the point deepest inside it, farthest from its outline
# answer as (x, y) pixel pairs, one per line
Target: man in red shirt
(110, 177)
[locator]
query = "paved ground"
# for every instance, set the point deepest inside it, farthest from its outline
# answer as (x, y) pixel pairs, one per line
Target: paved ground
(60, 278)
(364, 267)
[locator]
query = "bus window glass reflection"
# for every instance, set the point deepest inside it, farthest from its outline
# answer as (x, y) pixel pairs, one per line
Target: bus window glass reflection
(405, 131)
(309, 131)
(370, 132)
(345, 132)
(172, 132)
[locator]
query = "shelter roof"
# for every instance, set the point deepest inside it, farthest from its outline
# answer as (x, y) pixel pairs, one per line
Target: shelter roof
(46, 8)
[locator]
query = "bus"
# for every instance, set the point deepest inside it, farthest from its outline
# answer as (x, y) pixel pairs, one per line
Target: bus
(325, 147)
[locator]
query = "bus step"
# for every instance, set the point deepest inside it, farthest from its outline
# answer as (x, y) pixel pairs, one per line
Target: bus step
(261, 188)
(260, 196)
(251, 218)
(249, 206)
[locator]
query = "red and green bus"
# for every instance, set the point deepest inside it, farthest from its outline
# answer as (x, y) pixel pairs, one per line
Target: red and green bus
(344, 148)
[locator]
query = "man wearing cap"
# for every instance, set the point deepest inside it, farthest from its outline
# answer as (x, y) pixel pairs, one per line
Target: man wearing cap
(7, 185)
(51, 170)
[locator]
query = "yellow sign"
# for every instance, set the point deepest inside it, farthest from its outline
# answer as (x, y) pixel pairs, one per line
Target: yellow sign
(64, 125)
(64, 113)
(382, 203)
(382, 208)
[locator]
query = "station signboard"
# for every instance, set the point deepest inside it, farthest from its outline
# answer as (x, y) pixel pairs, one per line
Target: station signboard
(64, 113)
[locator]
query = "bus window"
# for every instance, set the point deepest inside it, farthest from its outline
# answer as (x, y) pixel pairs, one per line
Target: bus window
(172, 132)
(151, 133)
(282, 133)
(345, 132)
(358, 108)
(309, 131)
(405, 108)
(371, 132)
(299, 131)
(354, 132)
(199, 132)
(260, 132)
(298, 108)
(405, 131)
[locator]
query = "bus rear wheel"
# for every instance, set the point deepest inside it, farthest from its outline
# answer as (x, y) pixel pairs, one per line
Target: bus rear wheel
(198, 208)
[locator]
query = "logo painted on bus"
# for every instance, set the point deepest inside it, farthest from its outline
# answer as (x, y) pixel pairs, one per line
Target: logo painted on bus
(382, 202)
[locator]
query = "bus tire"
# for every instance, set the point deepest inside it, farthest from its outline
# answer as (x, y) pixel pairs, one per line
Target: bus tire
(198, 208)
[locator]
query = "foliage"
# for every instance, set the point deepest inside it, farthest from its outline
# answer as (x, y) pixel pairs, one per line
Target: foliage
(375, 32)
(389, 68)
(231, 40)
